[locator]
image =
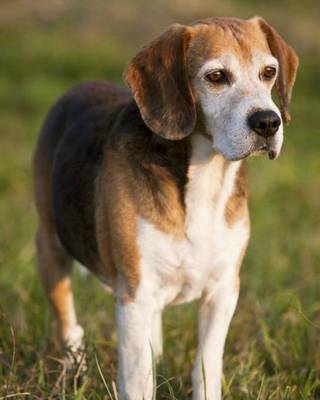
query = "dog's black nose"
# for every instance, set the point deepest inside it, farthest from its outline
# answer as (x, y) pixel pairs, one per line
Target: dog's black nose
(264, 123)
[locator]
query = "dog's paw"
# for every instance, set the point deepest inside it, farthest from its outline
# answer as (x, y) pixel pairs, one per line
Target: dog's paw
(75, 352)
(76, 361)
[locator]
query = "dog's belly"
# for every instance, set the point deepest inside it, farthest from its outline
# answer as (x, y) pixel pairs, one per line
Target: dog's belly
(179, 270)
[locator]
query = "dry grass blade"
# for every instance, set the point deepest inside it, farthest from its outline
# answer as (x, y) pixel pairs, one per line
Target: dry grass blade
(102, 377)
(15, 395)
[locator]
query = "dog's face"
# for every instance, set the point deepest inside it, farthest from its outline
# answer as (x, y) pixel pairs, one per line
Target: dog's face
(221, 72)
(233, 87)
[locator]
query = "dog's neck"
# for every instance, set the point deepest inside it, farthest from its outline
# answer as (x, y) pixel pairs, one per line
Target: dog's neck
(211, 178)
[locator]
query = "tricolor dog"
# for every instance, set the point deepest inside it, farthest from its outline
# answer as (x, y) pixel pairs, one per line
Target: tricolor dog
(146, 187)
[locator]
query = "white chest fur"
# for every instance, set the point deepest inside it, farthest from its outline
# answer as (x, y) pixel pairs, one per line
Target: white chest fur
(178, 270)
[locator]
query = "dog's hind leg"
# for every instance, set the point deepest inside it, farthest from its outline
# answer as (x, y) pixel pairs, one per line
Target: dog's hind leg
(54, 265)
(55, 269)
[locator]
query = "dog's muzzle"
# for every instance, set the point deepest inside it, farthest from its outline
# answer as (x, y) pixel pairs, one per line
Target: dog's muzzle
(266, 124)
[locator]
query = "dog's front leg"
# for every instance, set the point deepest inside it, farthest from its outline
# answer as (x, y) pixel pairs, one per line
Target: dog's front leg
(135, 372)
(157, 346)
(215, 313)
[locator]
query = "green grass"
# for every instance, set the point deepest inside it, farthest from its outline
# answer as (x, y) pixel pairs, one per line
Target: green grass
(272, 351)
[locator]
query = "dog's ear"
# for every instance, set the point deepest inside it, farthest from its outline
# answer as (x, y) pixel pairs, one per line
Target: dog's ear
(158, 77)
(288, 64)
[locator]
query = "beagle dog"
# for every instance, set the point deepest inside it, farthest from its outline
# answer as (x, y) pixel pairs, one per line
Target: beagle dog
(146, 187)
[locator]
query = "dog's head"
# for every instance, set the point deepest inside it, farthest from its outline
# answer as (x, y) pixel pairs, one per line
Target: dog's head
(221, 72)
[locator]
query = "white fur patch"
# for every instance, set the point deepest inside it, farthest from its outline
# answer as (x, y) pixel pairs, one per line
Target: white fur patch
(73, 337)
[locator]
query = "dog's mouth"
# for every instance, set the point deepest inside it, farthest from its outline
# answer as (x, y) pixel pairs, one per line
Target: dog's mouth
(272, 154)
(263, 149)
(260, 147)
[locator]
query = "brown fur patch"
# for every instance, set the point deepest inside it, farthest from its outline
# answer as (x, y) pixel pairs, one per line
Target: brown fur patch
(214, 37)
(236, 206)
(161, 69)
(60, 298)
(116, 222)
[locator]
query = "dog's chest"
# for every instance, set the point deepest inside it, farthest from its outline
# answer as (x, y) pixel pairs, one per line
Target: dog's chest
(180, 269)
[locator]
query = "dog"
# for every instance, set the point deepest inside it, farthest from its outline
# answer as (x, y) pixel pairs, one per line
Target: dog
(146, 187)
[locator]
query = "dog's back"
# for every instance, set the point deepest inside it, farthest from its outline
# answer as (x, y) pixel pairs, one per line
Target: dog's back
(72, 106)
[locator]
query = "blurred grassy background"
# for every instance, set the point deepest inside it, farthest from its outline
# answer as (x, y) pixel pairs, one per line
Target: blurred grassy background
(273, 347)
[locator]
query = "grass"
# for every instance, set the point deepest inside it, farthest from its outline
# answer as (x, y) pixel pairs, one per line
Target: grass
(273, 348)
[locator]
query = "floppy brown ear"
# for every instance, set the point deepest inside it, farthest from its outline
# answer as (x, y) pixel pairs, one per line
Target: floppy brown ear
(159, 80)
(288, 64)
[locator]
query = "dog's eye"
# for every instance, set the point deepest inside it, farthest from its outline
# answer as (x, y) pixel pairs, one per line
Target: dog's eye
(218, 76)
(269, 73)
